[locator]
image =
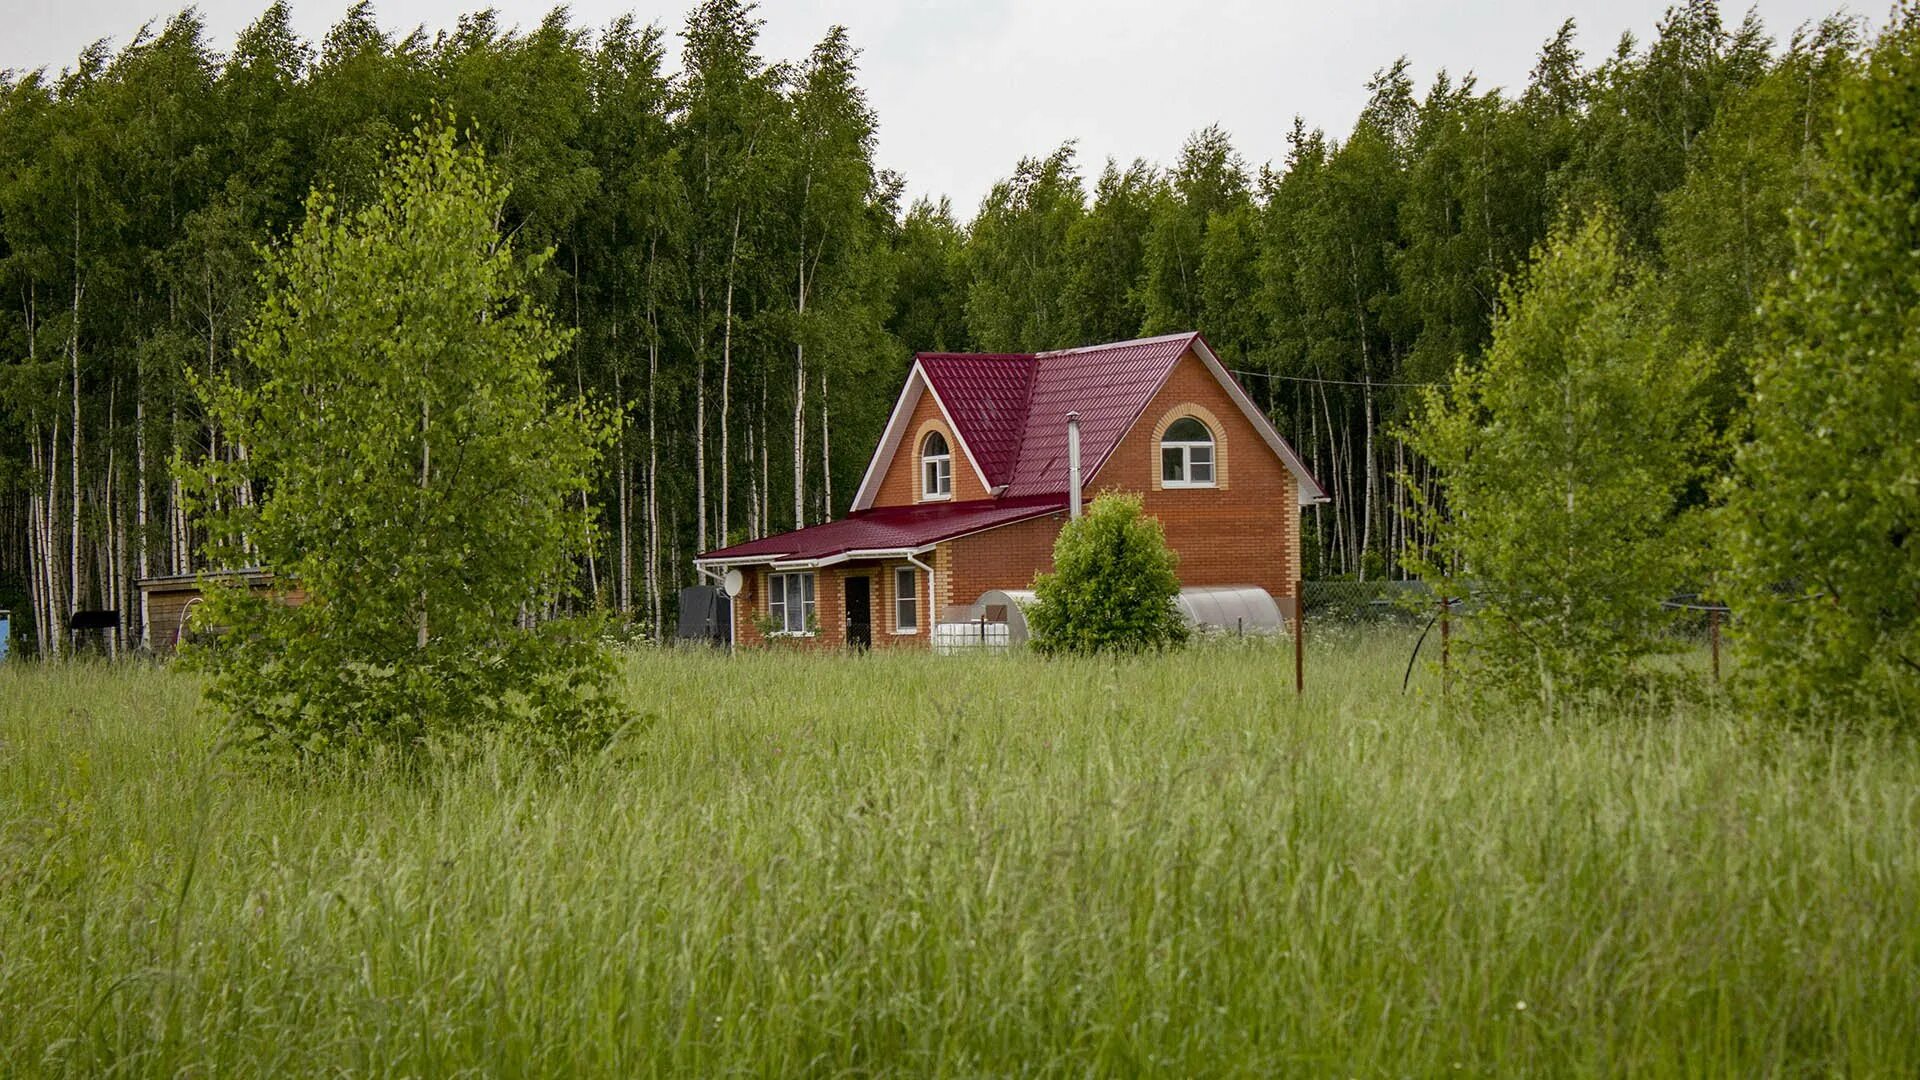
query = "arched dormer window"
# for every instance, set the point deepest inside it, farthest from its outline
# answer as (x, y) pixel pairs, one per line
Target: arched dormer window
(1186, 454)
(936, 468)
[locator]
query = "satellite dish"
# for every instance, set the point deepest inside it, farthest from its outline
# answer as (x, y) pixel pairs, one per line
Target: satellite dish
(733, 583)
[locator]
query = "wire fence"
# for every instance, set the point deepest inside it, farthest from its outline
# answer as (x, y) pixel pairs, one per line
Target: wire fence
(1688, 620)
(1689, 617)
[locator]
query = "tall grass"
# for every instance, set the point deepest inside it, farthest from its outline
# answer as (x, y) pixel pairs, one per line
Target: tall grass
(902, 864)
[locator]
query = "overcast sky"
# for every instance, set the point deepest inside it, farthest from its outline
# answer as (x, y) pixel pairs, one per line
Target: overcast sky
(964, 88)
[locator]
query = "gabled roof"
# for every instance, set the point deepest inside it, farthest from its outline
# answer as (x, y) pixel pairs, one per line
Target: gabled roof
(888, 530)
(1010, 410)
(1108, 385)
(986, 396)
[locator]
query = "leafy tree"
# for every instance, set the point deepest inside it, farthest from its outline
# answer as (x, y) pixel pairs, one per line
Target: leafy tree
(416, 466)
(1724, 238)
(1563, 461)
(1825, 501)
(1113, 584)
(1019, 261)
(929, 282)
(1209, 180)
(1109, 252)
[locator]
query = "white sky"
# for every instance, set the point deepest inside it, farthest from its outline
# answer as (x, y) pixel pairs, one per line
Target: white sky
(964, 88)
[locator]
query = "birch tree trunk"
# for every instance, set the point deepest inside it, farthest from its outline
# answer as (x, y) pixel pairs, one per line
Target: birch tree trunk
(73, 449)
(726, 384)
(826, 452)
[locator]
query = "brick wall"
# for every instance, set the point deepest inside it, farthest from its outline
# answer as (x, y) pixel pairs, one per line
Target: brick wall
(1244, 534)
(900, 483)
(1004, 558)
(1244, 531)
(829, 601)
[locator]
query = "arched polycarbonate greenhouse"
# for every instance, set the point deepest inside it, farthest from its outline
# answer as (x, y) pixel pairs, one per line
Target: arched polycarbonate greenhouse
(999, 618)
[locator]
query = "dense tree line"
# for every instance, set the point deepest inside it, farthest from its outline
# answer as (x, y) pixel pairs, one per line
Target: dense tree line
(745, 284)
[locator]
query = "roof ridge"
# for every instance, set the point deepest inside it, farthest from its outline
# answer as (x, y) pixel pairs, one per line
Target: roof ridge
(1155, 340)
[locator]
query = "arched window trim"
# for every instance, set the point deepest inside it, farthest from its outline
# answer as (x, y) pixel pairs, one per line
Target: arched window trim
(936, 469)
(1190, 462)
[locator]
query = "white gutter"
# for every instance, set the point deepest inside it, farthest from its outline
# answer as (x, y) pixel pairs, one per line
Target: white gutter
(777, 563)
(933, 618)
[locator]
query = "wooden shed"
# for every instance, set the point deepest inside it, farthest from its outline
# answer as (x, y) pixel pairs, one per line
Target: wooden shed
(166, 603)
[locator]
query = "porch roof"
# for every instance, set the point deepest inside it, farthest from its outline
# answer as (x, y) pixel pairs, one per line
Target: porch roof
(886, 530)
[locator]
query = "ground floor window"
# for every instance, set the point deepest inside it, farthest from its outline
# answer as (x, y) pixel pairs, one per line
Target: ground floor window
(906, 600)
(790, 603)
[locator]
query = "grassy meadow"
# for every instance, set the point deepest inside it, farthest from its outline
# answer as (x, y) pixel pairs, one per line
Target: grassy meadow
(800, 865)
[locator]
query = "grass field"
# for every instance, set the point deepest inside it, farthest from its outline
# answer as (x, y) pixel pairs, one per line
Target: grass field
(909, 865)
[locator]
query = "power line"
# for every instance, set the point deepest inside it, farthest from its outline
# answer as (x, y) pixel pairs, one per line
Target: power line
(1330, 382)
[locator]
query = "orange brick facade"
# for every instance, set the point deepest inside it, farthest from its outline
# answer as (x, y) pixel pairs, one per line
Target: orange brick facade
(900, 483)
(1243, 531)
(751, 607)
(1246, 532)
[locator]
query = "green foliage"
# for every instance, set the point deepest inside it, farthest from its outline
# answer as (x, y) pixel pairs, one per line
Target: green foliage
(416, 470)
(1113, 584)
(1824, 506)
(1563, 462)
(1019, 276)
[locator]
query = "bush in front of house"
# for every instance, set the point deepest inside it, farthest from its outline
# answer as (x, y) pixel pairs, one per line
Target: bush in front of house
(1113, 584)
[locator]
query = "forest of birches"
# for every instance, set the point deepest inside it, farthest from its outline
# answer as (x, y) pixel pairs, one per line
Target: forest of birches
(748, 283)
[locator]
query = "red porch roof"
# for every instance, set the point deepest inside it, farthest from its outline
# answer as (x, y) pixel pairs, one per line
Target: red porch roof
(888, 529)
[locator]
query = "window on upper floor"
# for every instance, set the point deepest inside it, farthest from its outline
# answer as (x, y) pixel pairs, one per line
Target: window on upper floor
(936, 467)
(1186, 454)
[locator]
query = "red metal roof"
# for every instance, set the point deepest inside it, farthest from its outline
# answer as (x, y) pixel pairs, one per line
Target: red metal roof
(890, 528)
(1108, 385)
(1012, 409)
(987, 397)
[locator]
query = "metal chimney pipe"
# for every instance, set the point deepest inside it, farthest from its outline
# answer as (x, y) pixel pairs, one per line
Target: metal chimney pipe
(1073, 464)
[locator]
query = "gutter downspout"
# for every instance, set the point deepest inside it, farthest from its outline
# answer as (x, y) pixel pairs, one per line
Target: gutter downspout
(931, 620)
(1073, 465)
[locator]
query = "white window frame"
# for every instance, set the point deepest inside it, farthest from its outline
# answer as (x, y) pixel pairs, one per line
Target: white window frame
(780, 607)
(906, 598)
(1187, 448)
(936, 467)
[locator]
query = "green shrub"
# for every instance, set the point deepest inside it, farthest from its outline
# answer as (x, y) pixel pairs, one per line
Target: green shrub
(1113, 585)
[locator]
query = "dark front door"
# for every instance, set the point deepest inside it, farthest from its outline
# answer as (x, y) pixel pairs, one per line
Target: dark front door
(859, 612)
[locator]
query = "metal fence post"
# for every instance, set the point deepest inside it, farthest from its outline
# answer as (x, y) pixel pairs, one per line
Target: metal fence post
(1299, 637)
(1713, 639)
(1446, 643)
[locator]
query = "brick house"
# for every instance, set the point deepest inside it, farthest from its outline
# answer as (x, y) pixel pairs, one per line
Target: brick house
(970, 485)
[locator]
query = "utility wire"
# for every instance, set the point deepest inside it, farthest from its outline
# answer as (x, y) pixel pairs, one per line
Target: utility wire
(1329, 382)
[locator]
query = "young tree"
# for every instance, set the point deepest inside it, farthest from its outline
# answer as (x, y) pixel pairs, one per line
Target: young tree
(416, 467)
(1825, 501)
(1113, 584)
(1563, 461)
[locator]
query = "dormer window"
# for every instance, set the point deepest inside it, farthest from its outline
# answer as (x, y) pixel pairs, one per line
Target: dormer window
(1186, 455)
(936, 468)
